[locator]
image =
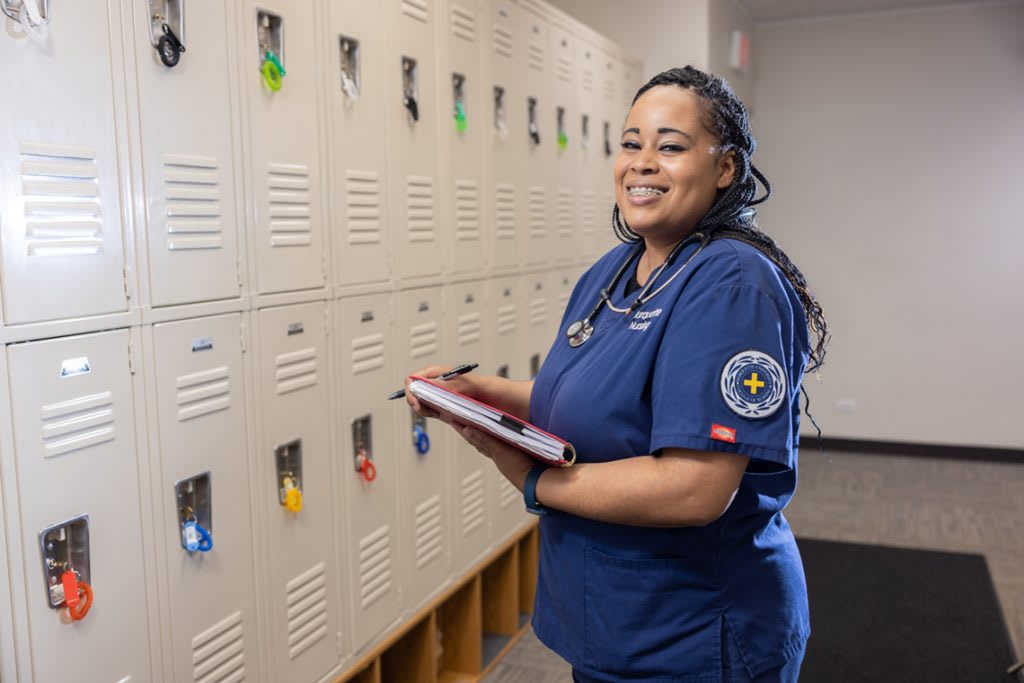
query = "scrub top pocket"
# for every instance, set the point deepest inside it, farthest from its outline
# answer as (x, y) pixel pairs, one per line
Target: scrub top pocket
(651, 617)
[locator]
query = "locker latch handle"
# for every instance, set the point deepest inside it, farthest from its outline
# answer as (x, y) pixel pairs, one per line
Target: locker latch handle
(29, 16)
(607, 140)
(193, 536)
(273, 71)
(410, 103)
(169, 47)
(533, 128)
(563, 137)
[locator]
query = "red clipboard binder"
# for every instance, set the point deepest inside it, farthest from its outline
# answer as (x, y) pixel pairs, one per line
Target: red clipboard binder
(502, 428)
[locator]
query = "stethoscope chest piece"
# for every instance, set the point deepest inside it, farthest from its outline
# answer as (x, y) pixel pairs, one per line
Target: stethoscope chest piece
(579, 332)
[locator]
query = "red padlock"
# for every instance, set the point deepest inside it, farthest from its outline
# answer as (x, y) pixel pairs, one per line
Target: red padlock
(70, 582)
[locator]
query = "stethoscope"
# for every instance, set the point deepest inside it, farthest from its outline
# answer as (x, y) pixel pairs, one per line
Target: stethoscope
(582, 330)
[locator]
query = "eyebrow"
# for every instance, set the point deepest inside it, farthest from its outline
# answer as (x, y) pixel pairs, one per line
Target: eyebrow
(661, 131)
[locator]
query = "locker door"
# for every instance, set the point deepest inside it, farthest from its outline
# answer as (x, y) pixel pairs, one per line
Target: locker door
(60, 203)
(200, 394)
(566, 131)
(357, 92)
(562, 280)
(188, 166)
(423, 463)
(284, 145)
(296, 492)
(367, 462)
(462, 124)
(506, 137)
(595, 148)
(537, 334)
(412, 119)
(469, 512)
(541, 196)
(502, 323)
(76, 455)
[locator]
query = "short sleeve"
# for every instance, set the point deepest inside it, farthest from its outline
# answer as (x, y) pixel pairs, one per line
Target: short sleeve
(727, 373)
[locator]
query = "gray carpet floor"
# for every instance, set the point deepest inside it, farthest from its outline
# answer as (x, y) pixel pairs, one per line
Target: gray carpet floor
(934, 504)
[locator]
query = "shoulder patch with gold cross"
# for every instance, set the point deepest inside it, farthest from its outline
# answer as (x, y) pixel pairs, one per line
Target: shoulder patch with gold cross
(753, 384)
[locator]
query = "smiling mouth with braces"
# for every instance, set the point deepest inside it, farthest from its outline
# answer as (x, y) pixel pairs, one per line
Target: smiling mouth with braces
(645, 192)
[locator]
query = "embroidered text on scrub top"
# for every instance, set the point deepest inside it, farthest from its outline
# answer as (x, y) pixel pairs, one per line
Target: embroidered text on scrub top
(642, 320)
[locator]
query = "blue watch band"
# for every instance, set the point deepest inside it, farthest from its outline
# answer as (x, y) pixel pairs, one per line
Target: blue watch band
(530, 491)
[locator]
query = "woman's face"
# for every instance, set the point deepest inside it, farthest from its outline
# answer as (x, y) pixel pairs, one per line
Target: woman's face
(669, 167)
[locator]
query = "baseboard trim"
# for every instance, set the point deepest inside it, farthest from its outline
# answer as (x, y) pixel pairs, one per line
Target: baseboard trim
(925, 450)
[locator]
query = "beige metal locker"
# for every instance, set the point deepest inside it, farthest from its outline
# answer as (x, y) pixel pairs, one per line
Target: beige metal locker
(563, 281)
(566, 131)
(284, 143)
(506, 137)
(412, 120)
(367, 462)
(296, 493)
(188, 163)
(538, 305)
(61, 227)
(467, 336)
(541, 196)
(209, 604)
(422, 448)
(503, 320)
(595, 150)
(463, 123)
(77, 477)
(358, 94)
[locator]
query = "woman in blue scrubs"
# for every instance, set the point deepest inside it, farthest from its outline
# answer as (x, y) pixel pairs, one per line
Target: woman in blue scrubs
(676, 375)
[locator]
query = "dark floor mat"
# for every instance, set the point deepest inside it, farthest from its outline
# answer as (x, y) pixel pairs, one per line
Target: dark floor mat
(893, 615)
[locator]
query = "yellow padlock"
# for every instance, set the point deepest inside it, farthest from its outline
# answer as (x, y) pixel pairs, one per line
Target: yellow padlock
(292, 495)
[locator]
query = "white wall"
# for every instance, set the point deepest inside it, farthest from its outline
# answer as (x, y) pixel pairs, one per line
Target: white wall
(894, 144)
(664, 33)
(725, 16)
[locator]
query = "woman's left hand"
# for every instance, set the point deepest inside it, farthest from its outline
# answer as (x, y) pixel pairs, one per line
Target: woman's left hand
(513, 464)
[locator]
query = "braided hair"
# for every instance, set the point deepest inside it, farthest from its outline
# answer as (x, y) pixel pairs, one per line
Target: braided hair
(732, 216)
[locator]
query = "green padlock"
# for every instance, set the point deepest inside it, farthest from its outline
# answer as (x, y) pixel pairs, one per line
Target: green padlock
(563, 140)
(460, 118)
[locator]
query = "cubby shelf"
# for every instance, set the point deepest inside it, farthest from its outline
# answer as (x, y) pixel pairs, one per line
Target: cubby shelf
(463, 633)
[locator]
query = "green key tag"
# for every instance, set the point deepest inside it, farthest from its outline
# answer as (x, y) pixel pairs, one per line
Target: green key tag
(460, 118)
(563, 140)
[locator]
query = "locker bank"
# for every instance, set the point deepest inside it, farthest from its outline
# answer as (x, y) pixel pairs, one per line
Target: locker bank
(229, 229)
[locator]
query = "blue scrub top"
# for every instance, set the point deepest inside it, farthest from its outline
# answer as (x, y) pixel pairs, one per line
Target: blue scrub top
(711, 363)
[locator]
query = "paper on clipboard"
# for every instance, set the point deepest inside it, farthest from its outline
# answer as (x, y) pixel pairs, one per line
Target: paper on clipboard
(536, 442)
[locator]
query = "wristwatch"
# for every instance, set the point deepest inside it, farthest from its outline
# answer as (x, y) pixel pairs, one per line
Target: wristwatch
(530, 491)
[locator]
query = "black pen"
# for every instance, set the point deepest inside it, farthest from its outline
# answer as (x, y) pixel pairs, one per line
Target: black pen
(454, 372)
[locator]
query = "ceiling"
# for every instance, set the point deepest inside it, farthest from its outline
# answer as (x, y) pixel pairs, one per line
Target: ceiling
(786, 10)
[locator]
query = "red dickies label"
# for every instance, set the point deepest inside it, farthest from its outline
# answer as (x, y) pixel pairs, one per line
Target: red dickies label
(720, 433)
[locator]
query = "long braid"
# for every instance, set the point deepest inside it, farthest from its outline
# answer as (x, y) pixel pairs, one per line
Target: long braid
(732, 215)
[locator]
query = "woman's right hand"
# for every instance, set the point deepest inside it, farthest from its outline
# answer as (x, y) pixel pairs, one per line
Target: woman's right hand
(463, 384)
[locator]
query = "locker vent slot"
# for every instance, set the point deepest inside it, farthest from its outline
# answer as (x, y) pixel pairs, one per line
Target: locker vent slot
(192, 192)
(289, 207)
(295, 370)
(563, 68)
(472, 502)
(538, 311)
(587, 213)
(563, 300)
(306, 601)
(420, 203)
(505, 211)
(609, 88)
(565, 213)
(538, 212)
(503, 41)
(588, 79)
(463, 23)
(362, 202)
(218, 653)
(367, 353)
(508, 494)
(375, 566)
(424, 339)
(609, 202)
(535, 57)
(507, 319)
(467, 210)
(77, 423)
(417, 9)
(62, 200)
(469, 327)
(428, 531)
(203, 393)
